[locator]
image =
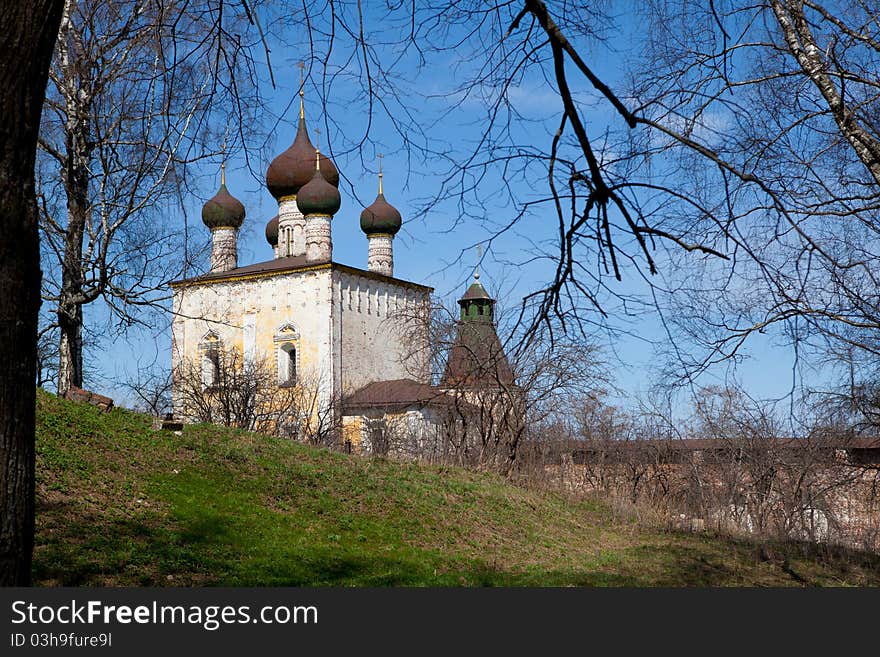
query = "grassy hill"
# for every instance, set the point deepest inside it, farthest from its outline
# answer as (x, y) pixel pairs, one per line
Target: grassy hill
(120, 504)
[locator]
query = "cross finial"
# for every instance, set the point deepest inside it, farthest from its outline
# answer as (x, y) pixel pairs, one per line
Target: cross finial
(223, 163)
(477, 266)
(317, 149)
(302, 110)
(380, 172)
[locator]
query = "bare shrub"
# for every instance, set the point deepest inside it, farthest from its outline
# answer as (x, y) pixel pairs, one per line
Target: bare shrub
(225, 388)
(731, 467)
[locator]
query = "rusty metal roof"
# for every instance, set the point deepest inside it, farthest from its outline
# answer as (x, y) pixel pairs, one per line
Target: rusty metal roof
(697, 444)
(290, 265)
(477, 359)
(397, 393)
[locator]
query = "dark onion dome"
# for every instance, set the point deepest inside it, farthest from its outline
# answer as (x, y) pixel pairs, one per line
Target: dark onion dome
(318, 196)
(295, 167)
(272, 231)
(380, 218)
(223, 210)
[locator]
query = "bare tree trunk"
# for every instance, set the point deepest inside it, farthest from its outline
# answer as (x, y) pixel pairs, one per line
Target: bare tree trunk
(70, 346)
(27, 37)
(76, 90)
(70, 314)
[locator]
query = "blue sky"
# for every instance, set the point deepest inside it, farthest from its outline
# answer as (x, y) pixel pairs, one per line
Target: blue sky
(436, 250)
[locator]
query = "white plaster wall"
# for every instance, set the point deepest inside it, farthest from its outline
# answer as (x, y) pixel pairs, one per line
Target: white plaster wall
(349, 325)
(291, 227)
(373, 344)
(250, 337)
(380, 256)
(413, 433)
(224, 249)
(247, 314)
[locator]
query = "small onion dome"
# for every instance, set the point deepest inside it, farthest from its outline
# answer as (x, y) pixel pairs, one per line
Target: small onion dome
(295, 167)
(272, 231)
(380, 217)
(223, 210)
(318, 196)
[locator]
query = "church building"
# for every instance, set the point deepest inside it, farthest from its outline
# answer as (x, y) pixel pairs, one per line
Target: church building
(341, 329)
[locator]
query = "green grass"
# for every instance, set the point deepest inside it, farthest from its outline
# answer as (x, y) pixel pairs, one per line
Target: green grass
(121, 504)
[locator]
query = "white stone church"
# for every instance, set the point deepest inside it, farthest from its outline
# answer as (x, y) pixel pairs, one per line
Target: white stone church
(337, 326)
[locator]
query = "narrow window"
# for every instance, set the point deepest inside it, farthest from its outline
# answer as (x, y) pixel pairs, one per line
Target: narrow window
(210, 368)
(209, 350)
(291, 365)
(286, 340)
(286, 364)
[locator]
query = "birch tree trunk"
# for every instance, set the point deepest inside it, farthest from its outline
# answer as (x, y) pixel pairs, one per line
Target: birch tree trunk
(76, 91)
(131, 102)
(813, 62)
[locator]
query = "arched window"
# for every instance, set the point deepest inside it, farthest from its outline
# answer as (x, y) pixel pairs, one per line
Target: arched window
(209, 351)
(286, 343)
(288, 369)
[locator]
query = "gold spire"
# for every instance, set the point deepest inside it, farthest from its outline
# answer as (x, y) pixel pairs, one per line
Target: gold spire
(380, 172)
(223, 172)
(302, 109)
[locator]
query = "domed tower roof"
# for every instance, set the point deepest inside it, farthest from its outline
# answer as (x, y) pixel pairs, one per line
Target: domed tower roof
(272, 231)
(318, 196)
(380, 217)
(223, 210)
(294, 168)
(477, 358)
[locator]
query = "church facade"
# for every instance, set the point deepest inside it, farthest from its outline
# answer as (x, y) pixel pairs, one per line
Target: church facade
(355, 336)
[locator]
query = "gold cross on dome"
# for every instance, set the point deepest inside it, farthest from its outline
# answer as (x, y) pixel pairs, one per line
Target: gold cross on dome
(223, 162)
(302, 110)
(380, 156)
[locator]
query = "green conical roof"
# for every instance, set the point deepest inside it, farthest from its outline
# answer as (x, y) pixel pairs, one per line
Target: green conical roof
(477, 358)
(476, 292)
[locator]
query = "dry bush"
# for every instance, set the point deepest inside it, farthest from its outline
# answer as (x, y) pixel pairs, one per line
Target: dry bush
(245, 394)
